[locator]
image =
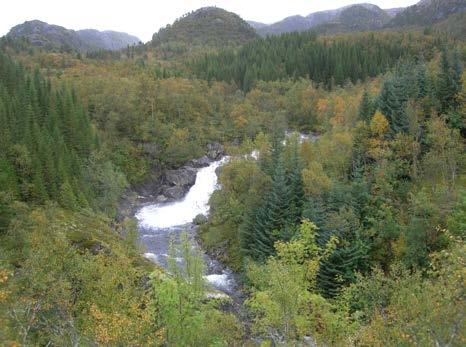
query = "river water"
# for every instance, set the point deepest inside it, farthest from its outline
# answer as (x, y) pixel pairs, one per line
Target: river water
(159, 224)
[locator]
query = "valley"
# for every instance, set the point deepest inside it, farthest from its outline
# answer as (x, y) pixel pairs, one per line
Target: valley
(233, 183)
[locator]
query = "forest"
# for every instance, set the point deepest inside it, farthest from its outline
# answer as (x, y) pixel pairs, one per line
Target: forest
(352, 237)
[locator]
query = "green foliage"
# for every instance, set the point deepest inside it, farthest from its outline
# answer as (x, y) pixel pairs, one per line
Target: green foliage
(243, 186)
(366, 109)
(106, 182)
(403, 308)
(47, 138)
(180, 299)
(384, 178)
(68, 280)
(292, 55)
(208, 26)
(282, 304)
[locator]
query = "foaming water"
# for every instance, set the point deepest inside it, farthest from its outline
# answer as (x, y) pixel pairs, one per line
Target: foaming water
(183, 212)
(161, 224)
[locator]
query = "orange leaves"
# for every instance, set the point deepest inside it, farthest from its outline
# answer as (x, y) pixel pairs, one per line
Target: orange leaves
(112, 328)
(322, 105)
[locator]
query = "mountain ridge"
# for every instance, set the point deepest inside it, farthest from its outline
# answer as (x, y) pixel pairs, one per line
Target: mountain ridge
(325, 18)
(210, 26)
(365, 16)
(51, 36)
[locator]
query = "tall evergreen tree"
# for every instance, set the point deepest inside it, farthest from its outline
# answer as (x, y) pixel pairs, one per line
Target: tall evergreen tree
(366, 108)
(445, 87)
(271, 221)
(392, 103)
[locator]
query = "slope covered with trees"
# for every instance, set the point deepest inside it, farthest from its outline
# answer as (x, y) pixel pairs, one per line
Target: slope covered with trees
(328, 61)
(354, 236)
(210, 26)
(384, 190)
(428, 12)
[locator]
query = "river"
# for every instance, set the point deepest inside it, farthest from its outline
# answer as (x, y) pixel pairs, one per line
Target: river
(161, 223)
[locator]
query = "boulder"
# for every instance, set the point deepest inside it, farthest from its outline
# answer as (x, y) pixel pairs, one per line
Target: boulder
(215, 151)
(161, 198)
(174, 193)
(200, 219)
(201, 162)
(183, 177)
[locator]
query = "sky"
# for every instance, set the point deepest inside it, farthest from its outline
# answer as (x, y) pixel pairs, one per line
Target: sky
(144, 17)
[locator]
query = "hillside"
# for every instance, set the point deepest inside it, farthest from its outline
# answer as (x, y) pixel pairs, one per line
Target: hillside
(215, 188)
(111, 40)
(349, 18)
(356, 18)
(210, 26)
(363, 17)
(454, 26)
(256, 25)
(54, 37)
(428, 12)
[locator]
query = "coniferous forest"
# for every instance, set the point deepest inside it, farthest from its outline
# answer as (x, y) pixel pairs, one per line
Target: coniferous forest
(341, 208)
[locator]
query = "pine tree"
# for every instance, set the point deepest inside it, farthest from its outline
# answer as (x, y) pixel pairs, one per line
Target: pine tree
(67, 197)
(295, 182)
(447, 86)
(366, 109)
(340, 268)
(392, 103)
(270, 221)
(421, 82)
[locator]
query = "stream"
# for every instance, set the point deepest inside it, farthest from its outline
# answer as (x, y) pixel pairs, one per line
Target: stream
(161, 223)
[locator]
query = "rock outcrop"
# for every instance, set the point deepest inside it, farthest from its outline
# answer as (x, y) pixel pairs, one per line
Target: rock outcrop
(215, 151)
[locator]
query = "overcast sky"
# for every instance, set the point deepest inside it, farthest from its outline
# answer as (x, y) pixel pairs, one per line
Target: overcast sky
(144, 17)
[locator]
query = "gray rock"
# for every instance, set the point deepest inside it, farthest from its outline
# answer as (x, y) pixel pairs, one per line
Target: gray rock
(161, 198)
(175, 193)
(215, 150)
(183, 177)
(200, 219)
(201, 162)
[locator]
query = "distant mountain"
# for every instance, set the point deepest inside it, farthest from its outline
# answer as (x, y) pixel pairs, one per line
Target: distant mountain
(428, 12)
(364, 17)
(349, 18)
(209, 26)
(392, 12)
(111, 40)
(256, 25)
(356, 18)
(454, 26)
(51, 36)
(289, 24)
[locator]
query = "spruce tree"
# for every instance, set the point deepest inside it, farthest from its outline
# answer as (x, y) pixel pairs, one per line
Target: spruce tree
(271, 221)
(447, 86)
(392, 103)
(295, 182)
(67, 197)
(366, 109)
